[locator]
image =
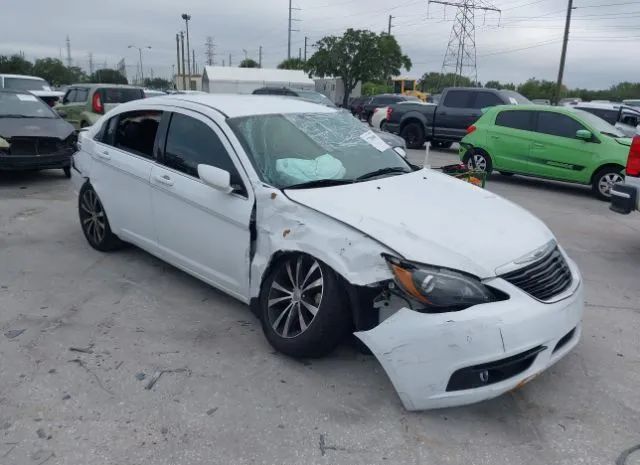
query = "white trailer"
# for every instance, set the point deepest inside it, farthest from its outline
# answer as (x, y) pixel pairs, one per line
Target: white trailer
(333, 89)
(229, 80)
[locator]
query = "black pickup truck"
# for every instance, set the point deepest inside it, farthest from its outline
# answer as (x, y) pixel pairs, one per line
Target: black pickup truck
(447, 122)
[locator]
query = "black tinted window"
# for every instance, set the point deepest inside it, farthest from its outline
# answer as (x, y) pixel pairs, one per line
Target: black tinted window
(190, 143)
(457, 99)
(120, 95)
(136, 132)
(556, 124)
(516, 120)
(81, 95)
(610, 116)
(70, 97)
(486, 99)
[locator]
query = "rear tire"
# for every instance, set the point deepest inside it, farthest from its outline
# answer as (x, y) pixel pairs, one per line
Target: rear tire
(604, 180)
(413, 134)
(478, 160)
(303, 321)
(94, 221)
(383, 125)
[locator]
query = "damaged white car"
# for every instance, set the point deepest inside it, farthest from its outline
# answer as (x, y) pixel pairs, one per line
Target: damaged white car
(301, 212)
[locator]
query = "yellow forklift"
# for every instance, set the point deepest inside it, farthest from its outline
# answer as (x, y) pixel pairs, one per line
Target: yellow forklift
(407, 86)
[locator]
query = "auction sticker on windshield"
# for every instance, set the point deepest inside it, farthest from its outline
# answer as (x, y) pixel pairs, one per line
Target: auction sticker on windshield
(372, 139)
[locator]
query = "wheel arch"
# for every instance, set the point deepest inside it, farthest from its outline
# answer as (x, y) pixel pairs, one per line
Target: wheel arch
(615, 165)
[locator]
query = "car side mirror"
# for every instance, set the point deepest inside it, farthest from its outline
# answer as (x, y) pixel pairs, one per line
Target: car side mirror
(585, 135)
(215, 177)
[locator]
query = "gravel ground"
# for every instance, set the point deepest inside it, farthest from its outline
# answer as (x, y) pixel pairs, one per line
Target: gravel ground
(82, 335)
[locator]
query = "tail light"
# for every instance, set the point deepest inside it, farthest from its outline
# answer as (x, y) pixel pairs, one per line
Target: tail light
(471, 129)
(96, 104)
(389, 113)
(633, 163)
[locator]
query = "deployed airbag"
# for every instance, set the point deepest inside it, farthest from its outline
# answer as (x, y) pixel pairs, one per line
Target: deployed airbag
(296, 170)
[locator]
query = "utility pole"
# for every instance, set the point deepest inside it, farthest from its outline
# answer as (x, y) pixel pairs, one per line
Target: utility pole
(260, 57)
(291, 19)
(184, 77)
(177, 57)
(306, 40)
(230, 60)
(300, 54)
(186, 18)
(90, 63)
(563, 57)
(69, 63)
(194, 68)
(390, 25)
(461, 49)
(210, 48)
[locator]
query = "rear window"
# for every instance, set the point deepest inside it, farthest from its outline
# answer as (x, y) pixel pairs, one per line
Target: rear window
(610, 116)
(115, 95)
(26, 84)
(523, 120)
(457, 99)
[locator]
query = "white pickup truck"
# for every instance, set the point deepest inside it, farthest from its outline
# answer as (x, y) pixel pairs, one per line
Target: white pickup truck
(625, 197)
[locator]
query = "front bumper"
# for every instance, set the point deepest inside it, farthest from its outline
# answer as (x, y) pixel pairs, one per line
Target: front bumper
(40, 162)
(422, 352)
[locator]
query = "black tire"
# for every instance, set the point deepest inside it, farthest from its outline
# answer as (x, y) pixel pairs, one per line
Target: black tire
(383, 125)
(369, 118)
(441, 144)
(604, 179)
(504, 173)
(413, 134)
(90, 211)
(283, 329)
(482, 160)
(67, 172)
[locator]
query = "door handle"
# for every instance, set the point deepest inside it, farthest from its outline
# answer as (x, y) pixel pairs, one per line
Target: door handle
(164, 179)
(104, 155)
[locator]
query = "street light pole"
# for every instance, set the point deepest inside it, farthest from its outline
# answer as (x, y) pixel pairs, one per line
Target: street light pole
(140, 55)
(186, 18)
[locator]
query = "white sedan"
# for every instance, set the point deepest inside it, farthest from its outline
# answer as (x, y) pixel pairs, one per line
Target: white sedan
(297, 210)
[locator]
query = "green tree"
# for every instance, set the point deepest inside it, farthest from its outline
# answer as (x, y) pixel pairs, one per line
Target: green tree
(434, 82)
(357, 56)
(55, 72)
(539, 89)
(292, 63)
(108, 76)
(249, 63)
(158, 83)
(15, 64)
(499, 85)
(375, 88)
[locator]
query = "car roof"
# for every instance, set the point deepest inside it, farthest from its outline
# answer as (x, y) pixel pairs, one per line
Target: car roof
(104, 85)
(22, 76)
(237, 105)
(534, 107)
(15, 91)
(599, 105)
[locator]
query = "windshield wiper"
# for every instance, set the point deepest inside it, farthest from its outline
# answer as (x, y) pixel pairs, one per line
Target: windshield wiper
(320, 183)
(382, 172)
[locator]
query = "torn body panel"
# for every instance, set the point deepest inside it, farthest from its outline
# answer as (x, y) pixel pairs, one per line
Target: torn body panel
(421, 352)
(284, 226)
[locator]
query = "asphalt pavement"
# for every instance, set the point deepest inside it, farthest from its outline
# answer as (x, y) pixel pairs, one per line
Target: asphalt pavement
(122, 359)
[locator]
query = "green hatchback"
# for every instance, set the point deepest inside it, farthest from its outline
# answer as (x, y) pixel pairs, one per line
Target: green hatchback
(558, 143)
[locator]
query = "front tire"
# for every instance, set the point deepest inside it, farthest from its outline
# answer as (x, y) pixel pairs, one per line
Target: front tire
(604, 180)
(303, 307)
(413, 134)
(94, 221)
(478, 160)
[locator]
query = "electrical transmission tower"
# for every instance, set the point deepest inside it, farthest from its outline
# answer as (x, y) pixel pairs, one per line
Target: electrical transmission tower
(69, 62)
(90, 63)
(290, 29)
(460, 57)
(210, 51)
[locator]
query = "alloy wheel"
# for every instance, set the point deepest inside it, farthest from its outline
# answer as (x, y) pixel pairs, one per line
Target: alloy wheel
(295, 296)
(92, 216)
(480, 162)
(607, 181)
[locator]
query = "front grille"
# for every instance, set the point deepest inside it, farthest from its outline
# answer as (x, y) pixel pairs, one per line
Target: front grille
(35, 146)
(544, 279)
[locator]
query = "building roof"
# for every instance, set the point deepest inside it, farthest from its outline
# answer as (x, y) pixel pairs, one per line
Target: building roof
(236, 105)
(228, 73)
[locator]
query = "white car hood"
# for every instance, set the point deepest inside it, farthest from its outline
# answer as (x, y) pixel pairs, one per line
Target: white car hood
(432, 218)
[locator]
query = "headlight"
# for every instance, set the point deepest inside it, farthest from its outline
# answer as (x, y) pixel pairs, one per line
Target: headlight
(439, 289)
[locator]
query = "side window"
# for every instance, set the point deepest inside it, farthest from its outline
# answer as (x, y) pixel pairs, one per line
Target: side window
(486, 99)
(516, 120)
(135, 132)
(190, 143)
(70, 97)
(556, 124)
(81, 95)
(457, 99)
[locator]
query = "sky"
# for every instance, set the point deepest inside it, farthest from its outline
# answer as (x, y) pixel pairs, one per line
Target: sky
(524, 40)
